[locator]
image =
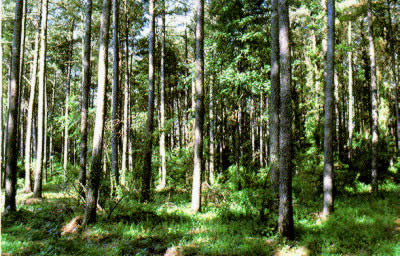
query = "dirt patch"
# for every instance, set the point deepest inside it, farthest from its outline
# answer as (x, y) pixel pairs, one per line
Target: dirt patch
(174, 251)
(73, 226)
(33, 201)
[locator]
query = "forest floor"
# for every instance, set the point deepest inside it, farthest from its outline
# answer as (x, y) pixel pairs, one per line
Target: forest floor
(361, 225)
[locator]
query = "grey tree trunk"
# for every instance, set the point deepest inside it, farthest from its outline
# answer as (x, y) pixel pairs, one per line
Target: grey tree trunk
(261, 154)
(199, 108)
(274, 101)
(285, 221)
(329, 113)
(212, 128)
(125, 138)
(115, 94)
(37, 189)
(28, 137)
(97, 151)
(374, 100)
(1, 93)
(150, 110)
(86, 79)
(351, 95)
(12, 126)
(163, 178)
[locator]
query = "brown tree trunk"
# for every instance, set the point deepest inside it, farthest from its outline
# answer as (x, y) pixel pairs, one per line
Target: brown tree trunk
(12, 126)
(329, 112)
(1, 95)
(199, 110)
(37, 189)
(285, 221)
(150, 108)
(86, 78)
(97, 151)
(115, 93)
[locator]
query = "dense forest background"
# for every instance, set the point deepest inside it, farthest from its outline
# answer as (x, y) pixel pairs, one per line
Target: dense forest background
(200, 127)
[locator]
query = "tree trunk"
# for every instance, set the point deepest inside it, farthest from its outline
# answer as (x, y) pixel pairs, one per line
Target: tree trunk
(212, 128)
(329, 112)
(115, 93)
(285, 221)
(97, 151)
(150, 108)
(163, 179)
(261, 155)
(274, 101)
(374, 100)
(37, 189)
(28, 138)
(125, 137)
(12, 126)
(351, 95)
(21, 81)
(199, 111)
(86, 78)
(1, 95)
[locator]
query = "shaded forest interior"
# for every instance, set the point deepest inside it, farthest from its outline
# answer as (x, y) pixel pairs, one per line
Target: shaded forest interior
(200, 127)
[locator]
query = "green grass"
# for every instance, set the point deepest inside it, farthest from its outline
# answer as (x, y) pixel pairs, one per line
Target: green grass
(361, 225)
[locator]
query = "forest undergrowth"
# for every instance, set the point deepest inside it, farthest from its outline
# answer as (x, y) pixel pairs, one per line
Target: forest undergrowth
(362, 224)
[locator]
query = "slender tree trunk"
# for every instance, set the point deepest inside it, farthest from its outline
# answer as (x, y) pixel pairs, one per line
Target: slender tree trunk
(1, 94)
(261, 155)
(12, 126)
(28, 138)
(329, 112)
(66, 112)
(163, 180)
(285, 221)
(45, 130)
(150, 108)
(374, 100)
(21, 93)
(126, 102)
(351, 95)
(86, 79)
(199, 111)
(115, 93)
(97, 151)
(37, 189)
(212, 128)
(275, 87)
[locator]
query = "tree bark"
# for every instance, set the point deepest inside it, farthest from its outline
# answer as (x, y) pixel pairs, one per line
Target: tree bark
(1, 94)
(115, 93)
(274, 101)
(199, 110)
(374, 100)
(12, 126)
(212, 128)
(329, 113)
(163, 180)
(285, 220)
(37, 189)
(351, 95)
(150, 110)
(97, 151)
(28, 138)
(86, 79)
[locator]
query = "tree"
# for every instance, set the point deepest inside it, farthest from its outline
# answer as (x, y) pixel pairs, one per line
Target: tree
(329, 112)
(28, 138)
(374, 100)
(12, 126)
(1, 92)
(275, 87)
(37, 189)
(285, 221)
(163, 180)
(85, 89)
(199, 108)
(115, 93)
(97, 150)
(150, 110)
(351, 95)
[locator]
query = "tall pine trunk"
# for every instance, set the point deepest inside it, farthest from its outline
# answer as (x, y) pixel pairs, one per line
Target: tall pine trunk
(86, 78)
(351, 94)
(274, 101)
(199, 108)
(374, 100)
(150, 110)
(285, 221)
(37, 189)
(98, 135)
(115, 94)
(1, 92)
(12, 125)
(329, 112)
